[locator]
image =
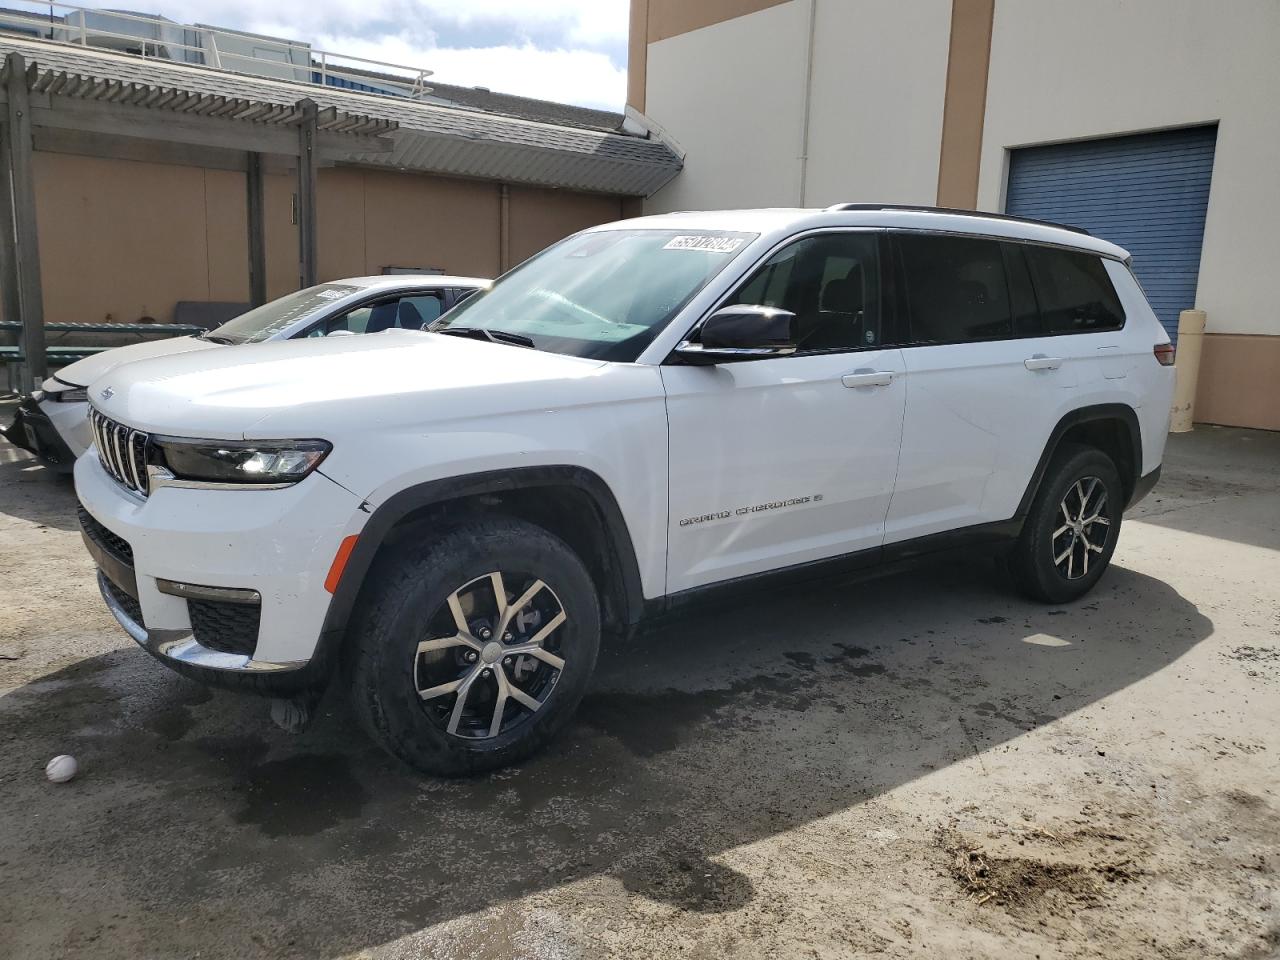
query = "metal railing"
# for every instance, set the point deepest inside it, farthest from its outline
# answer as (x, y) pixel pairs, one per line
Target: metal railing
(213, 47)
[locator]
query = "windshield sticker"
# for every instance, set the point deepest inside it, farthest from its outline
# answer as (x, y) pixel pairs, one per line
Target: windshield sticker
(332, 294)
(710, 244)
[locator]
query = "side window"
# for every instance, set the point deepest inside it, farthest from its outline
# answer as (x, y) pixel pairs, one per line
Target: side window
(409, 312)
(356, 321)
(419, 309)
(831, 282)
(1075, 293)
(956, 290)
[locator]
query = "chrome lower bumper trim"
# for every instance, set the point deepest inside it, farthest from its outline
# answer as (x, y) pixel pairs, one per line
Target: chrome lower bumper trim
(181, 646)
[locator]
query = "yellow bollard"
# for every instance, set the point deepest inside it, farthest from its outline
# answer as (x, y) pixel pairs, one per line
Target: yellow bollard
(1187, 367)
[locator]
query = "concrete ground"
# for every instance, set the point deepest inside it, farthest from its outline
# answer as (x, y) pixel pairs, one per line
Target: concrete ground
(919, 766)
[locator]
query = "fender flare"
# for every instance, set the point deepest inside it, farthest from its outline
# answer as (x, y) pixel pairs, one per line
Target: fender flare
(400, 505)
(1102, 411)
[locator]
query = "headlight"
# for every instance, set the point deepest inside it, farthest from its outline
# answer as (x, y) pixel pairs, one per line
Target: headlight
(71, 395)
(238, 461)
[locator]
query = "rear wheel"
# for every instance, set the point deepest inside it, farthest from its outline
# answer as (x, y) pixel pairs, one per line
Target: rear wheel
(476, 648)
(1070, 533)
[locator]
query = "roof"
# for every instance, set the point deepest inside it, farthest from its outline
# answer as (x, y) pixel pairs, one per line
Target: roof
(413, 280)
(426, 136)
(795, 219)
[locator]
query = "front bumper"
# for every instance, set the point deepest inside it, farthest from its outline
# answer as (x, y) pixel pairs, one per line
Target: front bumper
(277, 543)
(35, 428)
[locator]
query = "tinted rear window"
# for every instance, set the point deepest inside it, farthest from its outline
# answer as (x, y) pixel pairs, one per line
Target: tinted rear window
(956, 289)
(1074, 291)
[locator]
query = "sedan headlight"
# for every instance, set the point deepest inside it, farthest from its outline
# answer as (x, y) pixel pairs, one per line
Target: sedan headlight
(240, 461)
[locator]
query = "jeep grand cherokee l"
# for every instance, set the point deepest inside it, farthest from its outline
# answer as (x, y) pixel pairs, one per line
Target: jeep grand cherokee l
(647, 413)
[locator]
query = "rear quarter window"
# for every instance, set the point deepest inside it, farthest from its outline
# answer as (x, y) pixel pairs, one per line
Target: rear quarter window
(1074, 291)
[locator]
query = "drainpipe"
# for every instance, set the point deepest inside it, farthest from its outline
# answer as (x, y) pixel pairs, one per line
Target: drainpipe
(504, 228)
(808, 96)
(1187, 369)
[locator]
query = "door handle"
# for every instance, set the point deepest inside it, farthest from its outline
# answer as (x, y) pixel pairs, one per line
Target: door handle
(1041, 362)
(868, 378)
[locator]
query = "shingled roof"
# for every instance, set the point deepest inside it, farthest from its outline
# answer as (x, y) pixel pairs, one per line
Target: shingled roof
(474, 134)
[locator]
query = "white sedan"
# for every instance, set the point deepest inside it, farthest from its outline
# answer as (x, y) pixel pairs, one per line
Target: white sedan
(53, 422)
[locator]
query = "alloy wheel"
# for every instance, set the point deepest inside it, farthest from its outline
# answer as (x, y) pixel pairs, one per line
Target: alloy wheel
(492, 655)
(1086, 524)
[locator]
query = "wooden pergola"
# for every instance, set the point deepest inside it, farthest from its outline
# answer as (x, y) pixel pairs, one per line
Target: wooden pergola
(141, 113)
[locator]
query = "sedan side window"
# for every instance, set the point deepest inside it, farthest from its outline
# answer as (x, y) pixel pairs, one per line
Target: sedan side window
(410, 312)
(831, 282)
(420, 309)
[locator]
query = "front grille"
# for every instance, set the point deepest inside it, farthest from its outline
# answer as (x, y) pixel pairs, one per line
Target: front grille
(122, 450)
(114, 544)
(225, 627)
(127, 603)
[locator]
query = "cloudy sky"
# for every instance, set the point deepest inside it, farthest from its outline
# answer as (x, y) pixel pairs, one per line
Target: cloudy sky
(569, 50)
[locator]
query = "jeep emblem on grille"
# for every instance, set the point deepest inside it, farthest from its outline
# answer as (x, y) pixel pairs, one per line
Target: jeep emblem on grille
(106, 394)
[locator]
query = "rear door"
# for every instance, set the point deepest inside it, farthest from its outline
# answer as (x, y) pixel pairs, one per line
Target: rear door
(786, 460)
(984, 385)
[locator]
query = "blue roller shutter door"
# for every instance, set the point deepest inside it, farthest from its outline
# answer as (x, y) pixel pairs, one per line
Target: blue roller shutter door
(1148, 193)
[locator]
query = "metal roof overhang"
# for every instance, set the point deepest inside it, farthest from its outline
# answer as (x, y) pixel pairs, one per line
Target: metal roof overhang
(97, 91)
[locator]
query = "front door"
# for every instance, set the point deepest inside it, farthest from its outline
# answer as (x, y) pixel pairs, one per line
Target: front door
(785, 460)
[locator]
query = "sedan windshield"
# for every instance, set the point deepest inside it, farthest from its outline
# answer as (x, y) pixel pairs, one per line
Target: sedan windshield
(264, 322)
(603, 295)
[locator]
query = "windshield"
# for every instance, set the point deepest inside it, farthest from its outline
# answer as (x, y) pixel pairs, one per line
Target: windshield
(264, 322)
(603, 295)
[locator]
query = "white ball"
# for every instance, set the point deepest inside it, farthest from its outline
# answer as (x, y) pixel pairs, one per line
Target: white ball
(61, 768)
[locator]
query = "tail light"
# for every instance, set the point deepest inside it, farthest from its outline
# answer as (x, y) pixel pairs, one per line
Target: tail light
(1164, 354)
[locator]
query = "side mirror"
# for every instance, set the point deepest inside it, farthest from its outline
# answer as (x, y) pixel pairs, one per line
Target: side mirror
(743, 332)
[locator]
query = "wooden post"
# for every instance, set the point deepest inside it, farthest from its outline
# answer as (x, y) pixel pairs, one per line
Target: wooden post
(12, 305)
(30, 292)
(257, 231)
(504, 228)
(307, 172)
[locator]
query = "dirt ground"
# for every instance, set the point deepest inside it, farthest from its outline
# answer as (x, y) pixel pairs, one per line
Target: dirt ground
(920, 766)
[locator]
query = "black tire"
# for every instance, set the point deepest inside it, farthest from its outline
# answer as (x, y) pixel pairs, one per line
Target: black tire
(411, 593)
(1032, 560)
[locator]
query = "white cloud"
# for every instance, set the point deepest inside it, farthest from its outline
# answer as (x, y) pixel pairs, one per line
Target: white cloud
(565, 50)
(584, 77)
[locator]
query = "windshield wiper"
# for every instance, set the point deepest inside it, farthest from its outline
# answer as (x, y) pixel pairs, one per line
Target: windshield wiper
(480, 333)
(212, 339)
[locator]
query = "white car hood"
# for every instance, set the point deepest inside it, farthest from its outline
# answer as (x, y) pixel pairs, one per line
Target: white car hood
(84, 372)
(325, 387)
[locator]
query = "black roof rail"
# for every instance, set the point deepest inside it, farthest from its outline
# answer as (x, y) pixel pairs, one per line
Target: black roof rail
(954, 211)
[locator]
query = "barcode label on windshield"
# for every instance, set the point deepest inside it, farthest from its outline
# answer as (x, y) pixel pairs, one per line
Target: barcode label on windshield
(710, 244)
(332, 294)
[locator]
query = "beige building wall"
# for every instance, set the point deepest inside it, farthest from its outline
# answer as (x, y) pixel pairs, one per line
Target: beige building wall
(732, 94)
(120, 240)
(541, 217)
(125, 239)
(877, 65)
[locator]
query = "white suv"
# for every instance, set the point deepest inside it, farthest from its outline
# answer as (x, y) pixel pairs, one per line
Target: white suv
(647, 413)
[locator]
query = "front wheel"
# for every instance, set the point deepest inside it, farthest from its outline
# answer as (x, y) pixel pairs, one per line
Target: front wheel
(1071, 531)
(476, 647)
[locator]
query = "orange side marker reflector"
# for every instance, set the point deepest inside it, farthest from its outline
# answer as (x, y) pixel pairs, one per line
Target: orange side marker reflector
(340, 562)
